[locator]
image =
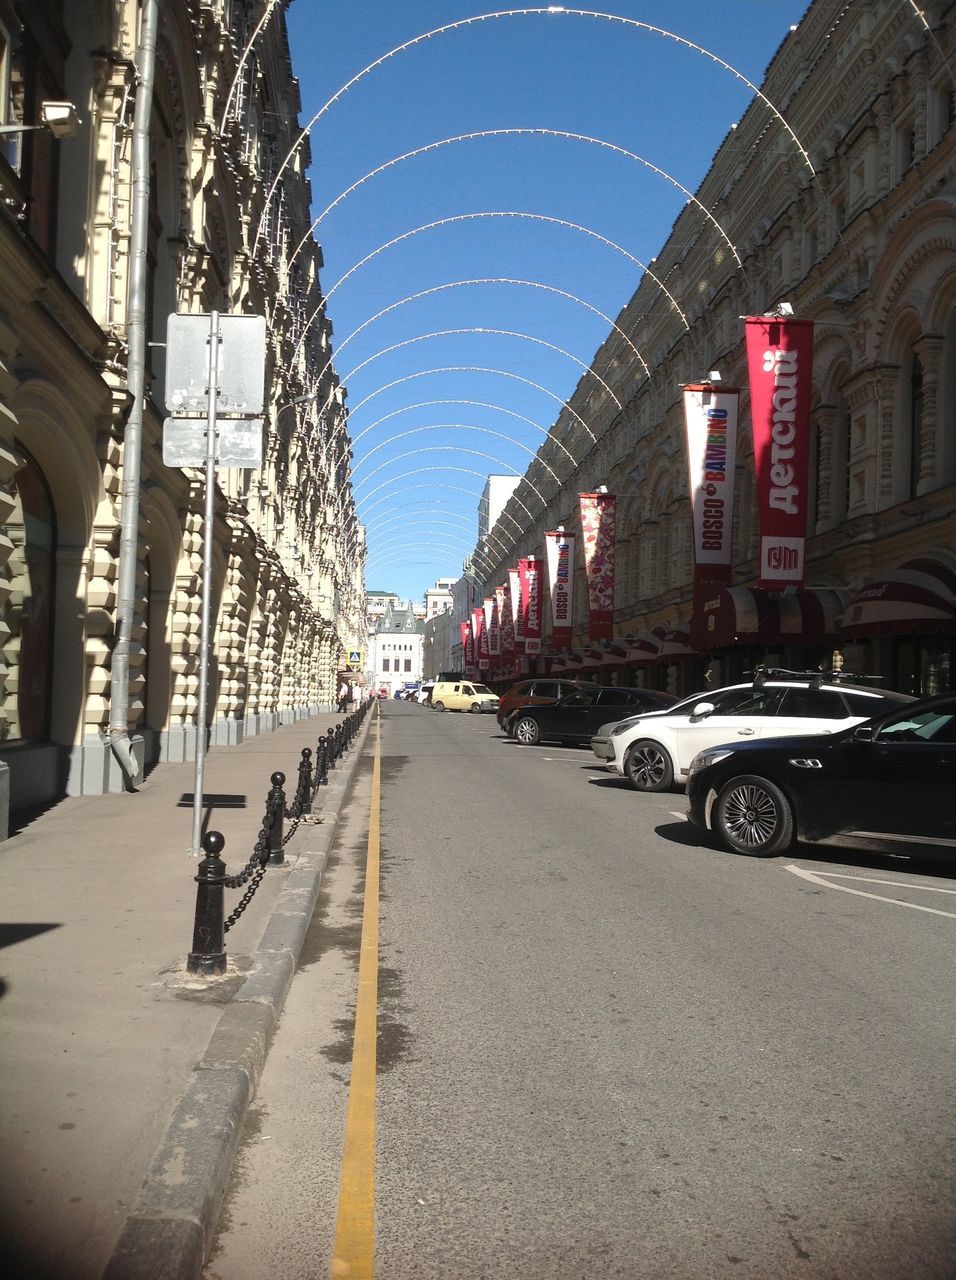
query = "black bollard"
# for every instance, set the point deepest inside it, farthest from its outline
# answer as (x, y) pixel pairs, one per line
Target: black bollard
(303, 793)
(275, 808)
(321, 765)
(209, 947)
(330, 748)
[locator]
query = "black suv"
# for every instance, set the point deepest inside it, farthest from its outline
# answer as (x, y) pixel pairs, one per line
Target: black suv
(534, 692)
(575, 717)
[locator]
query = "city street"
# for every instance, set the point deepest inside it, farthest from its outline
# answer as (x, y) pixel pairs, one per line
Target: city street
(604, 1047)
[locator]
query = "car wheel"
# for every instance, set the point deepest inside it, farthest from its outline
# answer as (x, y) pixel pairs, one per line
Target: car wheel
(475, 709)
(526, 732)
(753, 816)
(648, 767)
(438, 706)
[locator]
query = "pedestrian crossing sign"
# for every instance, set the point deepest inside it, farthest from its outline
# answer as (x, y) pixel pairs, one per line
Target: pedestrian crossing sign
(355, 657)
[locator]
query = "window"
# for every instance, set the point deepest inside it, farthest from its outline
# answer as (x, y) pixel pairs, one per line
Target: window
(28, 651)
(915, 423)
(386, 664)
(816, 704)
(32, 72)
(904, 148)
(616, 698)
(408, 664)
(747, 702)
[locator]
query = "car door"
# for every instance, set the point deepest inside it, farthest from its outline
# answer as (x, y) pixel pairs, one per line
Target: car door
(565, 720)
(903, 782)
(609, 704)
(739, 715)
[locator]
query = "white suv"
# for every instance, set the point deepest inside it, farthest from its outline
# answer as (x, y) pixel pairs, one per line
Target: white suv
(653, 751)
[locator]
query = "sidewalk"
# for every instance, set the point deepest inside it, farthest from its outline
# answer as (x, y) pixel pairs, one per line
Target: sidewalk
(107, 1045)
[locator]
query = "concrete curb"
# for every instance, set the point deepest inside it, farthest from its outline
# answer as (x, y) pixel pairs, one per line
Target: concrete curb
(171, 1228)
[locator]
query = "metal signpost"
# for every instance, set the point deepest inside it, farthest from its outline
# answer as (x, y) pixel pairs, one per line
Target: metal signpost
(215, 384)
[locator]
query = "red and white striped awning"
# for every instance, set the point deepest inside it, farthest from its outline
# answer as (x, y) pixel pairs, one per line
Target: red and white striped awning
(675, 644)
(606, 653)
(644, 647)
(734, 615)
(918, 597)
(810, 617)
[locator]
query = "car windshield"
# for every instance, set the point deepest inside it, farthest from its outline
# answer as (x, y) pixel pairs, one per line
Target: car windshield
(482, 688)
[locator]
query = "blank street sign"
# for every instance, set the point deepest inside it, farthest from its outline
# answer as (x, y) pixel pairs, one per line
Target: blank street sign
(238, 442)
(242, 364)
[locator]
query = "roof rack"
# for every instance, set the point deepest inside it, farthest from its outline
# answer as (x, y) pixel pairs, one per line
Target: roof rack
(816, 678)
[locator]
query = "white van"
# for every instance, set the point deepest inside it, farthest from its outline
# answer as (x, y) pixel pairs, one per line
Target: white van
(463, 695)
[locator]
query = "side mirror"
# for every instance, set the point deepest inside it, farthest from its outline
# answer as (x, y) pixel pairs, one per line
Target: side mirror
(703, 709)
(863, 733)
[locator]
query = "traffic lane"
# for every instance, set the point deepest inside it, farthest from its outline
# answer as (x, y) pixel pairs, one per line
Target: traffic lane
(624, 1054)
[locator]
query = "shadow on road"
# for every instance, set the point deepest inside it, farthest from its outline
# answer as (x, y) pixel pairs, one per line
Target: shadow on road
(863, 853)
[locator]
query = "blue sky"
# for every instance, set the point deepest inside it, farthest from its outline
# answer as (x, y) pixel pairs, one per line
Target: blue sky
(435, 415)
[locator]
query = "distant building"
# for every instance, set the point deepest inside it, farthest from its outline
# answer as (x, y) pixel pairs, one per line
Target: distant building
(395, 649)
(493, 501)
(438, 597)
(377, 603)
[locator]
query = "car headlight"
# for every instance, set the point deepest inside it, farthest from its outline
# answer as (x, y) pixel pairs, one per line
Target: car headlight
(704, 759)
(623, 726)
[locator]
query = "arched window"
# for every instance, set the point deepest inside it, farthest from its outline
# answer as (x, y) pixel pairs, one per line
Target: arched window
(915, 423)
(28, 650)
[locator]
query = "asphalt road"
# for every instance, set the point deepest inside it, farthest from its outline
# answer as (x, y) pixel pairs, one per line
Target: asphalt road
(606, 1048)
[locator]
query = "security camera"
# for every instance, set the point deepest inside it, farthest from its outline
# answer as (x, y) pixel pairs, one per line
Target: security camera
(61, 118)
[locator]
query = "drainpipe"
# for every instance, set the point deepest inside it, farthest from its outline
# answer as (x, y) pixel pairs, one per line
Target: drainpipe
(136, 383)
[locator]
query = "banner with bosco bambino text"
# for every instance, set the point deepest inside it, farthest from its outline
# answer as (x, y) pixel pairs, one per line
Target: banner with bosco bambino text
(559, 546)
(710, 417)
(780, 365)
(514, 594)
(481, 638)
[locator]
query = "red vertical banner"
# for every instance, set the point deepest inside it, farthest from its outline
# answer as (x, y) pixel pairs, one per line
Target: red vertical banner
(467, 647)
(780, 365)
(481, 638)
(710, 418)
(597, 527)
(514, 583)
(559, 547)
(530, 611)
(497, 614)
(506, 620)
(491, 627)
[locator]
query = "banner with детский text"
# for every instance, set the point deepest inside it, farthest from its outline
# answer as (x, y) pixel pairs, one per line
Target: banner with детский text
(780, 367)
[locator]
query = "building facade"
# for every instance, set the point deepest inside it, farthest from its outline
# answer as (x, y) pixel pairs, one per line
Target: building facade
(196, 103)
(395, 650)
(840, 201)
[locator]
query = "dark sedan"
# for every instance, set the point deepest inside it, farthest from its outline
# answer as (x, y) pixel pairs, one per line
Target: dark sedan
(893, 775)
(575, 717)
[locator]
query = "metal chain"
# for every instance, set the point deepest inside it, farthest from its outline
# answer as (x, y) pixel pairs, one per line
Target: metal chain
(260, 856)
(245, 899)
(257, 865)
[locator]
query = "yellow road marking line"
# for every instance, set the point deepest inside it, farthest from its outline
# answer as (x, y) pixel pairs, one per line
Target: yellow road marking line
(354, 1253)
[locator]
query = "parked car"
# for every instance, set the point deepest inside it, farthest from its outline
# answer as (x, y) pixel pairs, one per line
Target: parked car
(893, 775)
(574, 717)
(463, 695)
(424, 694)
(534, 692)
(653, 753)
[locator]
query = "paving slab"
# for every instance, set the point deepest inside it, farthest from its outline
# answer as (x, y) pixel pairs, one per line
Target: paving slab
(124, 1078)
